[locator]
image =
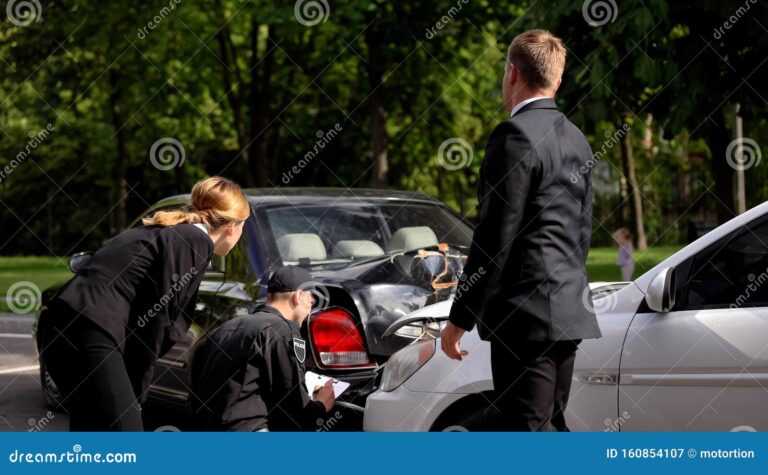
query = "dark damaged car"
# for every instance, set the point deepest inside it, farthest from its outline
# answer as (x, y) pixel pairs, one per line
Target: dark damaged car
(374, 255)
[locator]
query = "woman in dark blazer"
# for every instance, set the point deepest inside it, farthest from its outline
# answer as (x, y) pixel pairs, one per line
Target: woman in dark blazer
(130, 302)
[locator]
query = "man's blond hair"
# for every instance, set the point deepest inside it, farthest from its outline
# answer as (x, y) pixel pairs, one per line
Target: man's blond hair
(540, 57)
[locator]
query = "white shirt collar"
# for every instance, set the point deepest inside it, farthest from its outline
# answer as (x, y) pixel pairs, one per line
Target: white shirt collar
(527, 101)
(202, 226)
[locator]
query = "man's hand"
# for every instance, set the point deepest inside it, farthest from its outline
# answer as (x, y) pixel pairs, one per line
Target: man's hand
(449, 341)
(325, 395)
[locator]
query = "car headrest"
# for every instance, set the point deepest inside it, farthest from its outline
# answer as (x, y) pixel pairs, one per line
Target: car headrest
(357, 248)
(292, 247)
(414, 237)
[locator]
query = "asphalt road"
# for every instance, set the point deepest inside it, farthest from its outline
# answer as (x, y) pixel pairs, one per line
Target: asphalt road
(22, 407)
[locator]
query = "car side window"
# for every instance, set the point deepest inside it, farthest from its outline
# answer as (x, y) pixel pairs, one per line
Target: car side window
(731, 273)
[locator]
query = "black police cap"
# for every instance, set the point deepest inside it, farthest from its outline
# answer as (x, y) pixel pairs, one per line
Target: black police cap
(290, 279)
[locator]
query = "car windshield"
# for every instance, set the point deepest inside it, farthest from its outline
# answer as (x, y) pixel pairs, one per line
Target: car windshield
(338, 234)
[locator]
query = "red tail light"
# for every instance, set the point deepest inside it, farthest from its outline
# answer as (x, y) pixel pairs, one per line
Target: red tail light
(336, 340)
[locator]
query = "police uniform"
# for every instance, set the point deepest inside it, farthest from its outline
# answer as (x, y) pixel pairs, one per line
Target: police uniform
(249, 375)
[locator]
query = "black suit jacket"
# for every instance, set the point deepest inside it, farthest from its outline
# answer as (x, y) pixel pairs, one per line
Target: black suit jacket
(141, 288)
(525, 277)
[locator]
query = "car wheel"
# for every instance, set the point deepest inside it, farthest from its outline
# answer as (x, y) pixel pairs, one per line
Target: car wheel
(469, 419)
(51, 393)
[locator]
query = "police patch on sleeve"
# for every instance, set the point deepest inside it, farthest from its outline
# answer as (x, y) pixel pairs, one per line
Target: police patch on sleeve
(300, 348)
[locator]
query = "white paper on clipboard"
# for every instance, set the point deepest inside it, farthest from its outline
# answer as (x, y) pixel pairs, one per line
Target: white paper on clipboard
(312, 380)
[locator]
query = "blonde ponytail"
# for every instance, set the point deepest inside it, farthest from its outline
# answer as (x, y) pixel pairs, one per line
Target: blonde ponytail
(215, 202)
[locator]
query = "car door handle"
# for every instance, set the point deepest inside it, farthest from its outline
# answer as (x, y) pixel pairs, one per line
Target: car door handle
(602, 379)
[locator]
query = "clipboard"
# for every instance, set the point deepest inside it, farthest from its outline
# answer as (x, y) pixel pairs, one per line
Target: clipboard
(312, 380)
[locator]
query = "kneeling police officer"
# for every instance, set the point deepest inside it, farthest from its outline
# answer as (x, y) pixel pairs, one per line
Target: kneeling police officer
(248, 375)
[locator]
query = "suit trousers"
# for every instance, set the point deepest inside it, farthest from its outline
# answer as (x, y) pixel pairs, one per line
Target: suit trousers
(89, 371)
(532, 381)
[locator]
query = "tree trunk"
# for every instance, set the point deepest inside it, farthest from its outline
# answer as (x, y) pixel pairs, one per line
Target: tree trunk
(636, 200)
(260, 104)
(377, 109)
(229, 63)
(722, 173)
(122, 158)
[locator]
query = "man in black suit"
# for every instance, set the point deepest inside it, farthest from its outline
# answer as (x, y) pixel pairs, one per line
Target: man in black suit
(526, 282)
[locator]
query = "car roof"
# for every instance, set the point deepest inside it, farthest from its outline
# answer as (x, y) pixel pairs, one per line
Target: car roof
(265, 196)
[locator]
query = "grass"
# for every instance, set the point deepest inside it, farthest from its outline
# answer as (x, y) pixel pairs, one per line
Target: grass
(601, 263)
(46, 271)
(42, 271)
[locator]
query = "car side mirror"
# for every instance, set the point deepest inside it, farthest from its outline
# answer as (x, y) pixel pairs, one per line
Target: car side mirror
(77, 260)
(661, 292)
